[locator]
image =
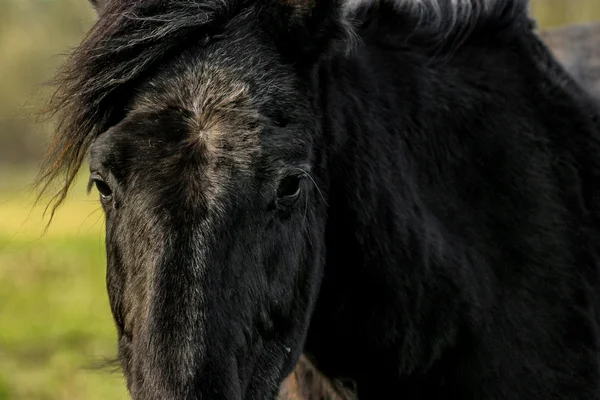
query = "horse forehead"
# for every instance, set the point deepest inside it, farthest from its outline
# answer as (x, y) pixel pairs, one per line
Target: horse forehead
(223, 119)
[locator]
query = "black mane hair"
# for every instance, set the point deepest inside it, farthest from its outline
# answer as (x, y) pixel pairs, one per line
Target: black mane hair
(479, 93)
(131, 38)
(439, 24)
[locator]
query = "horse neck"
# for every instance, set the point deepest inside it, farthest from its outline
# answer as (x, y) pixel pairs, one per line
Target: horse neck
(412, 142)
(373, 116)
(401, 126)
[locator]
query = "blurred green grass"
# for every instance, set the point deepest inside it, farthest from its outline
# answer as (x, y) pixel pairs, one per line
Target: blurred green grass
(55, 322)
(56, 331)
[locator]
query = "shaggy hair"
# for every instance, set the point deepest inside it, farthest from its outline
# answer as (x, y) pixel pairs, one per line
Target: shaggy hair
(445, 19)
(133, 37)
(129, 40)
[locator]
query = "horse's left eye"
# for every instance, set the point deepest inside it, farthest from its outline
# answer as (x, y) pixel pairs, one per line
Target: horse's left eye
(288, 192)
(289, 187)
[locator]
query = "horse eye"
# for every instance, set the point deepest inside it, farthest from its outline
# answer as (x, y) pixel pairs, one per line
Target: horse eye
(281, 121)
(103, 188)
(289, 187)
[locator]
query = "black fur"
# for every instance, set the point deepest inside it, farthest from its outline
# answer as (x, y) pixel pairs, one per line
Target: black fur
(443, 242)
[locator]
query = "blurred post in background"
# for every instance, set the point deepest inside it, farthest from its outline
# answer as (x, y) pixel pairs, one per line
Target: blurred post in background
(55, 323)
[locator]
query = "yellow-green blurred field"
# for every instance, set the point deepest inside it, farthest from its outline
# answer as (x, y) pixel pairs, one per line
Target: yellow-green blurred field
(55, 323)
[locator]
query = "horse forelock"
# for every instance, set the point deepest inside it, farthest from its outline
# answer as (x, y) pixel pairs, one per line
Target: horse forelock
(128, 41)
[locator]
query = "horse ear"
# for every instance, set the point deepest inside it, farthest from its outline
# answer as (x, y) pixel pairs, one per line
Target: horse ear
(305, 29)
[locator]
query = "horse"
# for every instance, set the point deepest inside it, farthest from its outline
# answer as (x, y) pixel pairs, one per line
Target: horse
(577, 48)
(407, 192)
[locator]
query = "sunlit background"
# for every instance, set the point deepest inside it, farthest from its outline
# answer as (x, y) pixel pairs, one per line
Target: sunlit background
(55, 323)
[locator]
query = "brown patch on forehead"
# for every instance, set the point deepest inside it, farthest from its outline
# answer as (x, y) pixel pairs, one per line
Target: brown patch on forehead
(225, 121)
(224, 125)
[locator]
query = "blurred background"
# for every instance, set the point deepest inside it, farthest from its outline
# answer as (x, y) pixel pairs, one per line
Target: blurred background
(55, 323)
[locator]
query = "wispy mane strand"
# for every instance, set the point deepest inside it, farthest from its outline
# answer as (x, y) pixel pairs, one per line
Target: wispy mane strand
(446, 17)
(129, 39)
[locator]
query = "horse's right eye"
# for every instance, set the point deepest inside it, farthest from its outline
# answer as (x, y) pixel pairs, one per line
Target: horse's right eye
(102, 187)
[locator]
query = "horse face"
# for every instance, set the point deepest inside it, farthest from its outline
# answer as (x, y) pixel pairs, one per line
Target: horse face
(214, 226)
(215, 201)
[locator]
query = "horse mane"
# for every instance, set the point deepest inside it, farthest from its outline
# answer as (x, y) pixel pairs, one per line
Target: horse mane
(131, 38)
(448, 16)
(439, 23)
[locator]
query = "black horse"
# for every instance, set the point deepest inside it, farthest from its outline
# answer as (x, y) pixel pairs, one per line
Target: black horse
(407, 191)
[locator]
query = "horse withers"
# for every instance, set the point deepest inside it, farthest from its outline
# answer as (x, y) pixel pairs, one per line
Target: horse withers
(405, 191)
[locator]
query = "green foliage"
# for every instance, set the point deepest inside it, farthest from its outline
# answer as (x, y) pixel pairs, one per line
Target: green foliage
(56, 325)
(35, 35)
(56, 330)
